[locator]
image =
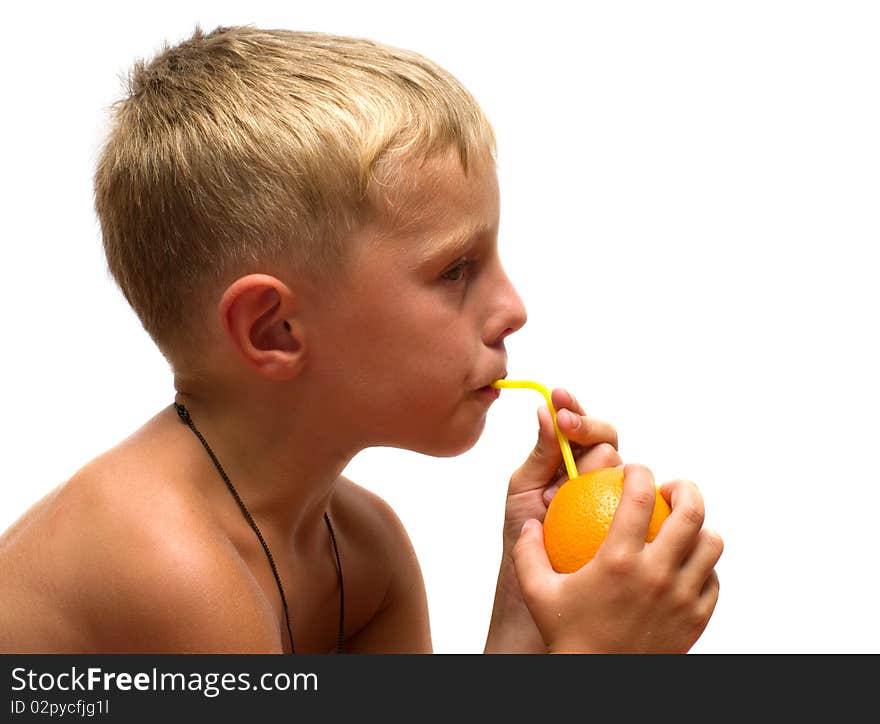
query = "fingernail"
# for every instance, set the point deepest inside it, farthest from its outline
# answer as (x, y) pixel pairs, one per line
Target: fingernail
(525, 525)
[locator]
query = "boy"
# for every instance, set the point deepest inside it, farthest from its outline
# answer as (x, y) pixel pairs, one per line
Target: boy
(306, 225)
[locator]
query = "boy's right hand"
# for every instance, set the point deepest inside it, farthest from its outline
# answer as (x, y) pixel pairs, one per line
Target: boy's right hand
(632, 596)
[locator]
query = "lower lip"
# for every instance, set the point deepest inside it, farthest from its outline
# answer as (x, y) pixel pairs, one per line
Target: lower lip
(489, 393)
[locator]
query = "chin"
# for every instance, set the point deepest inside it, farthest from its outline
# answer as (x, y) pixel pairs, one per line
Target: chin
(452, 445)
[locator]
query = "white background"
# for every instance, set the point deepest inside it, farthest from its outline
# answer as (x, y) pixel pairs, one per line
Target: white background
(689, 210)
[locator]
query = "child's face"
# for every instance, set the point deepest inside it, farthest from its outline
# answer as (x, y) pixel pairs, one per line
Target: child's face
(420, 326)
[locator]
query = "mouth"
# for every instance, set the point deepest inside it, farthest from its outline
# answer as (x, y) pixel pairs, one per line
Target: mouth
(491, 391)
(502, 376)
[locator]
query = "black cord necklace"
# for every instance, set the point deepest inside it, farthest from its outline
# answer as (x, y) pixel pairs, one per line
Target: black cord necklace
(184, 415)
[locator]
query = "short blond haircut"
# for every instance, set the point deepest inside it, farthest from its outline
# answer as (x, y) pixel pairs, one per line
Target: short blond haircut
(243, 146)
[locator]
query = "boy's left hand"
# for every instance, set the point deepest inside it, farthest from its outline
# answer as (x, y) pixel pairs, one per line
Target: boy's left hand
(535, 482)
(532, 487)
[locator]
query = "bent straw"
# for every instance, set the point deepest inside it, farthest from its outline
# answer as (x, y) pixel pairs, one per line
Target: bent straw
(570, 466)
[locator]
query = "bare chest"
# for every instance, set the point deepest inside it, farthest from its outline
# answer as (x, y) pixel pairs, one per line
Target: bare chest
(317, 600)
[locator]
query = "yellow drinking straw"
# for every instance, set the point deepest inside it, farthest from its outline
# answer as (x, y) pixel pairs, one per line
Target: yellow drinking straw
(570, 466)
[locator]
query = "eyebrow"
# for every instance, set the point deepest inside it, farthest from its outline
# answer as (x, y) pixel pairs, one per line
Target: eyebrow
(452, 244)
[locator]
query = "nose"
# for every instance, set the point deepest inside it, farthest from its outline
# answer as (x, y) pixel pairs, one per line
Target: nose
(508, 313)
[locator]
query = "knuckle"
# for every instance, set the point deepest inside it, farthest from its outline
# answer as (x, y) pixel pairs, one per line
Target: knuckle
(642, 498)
(716, 589)
(697, 618)
(692, 511)
(659, 585)
(714, 542)
(637, 477)
(684, 488)
(594, 429)
(685, 601)
(705, 609)
(607, 454)
(539, 452)
(620, 563)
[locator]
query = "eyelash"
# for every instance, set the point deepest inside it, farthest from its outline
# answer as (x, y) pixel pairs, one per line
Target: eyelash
(461, 265)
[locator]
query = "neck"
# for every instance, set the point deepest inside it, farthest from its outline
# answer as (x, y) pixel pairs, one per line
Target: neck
(283, 457)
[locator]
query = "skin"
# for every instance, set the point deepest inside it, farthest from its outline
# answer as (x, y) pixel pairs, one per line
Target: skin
(295, 380)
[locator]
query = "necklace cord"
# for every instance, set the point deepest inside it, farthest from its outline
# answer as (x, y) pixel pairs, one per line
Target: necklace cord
(341, 635)
(184, 415)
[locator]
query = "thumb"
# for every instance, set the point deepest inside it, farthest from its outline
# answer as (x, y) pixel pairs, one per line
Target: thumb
(530, 560)
(542, 462)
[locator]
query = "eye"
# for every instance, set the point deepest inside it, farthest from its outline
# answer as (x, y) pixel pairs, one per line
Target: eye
(457, 272)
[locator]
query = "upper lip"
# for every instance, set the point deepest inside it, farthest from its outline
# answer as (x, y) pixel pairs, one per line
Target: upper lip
(496, 377)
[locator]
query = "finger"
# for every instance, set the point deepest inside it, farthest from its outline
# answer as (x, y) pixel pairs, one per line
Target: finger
(600, 456)
(680, 531)
(603, 455)
(563, 398)
(580, 454)
(709, 597)
(698, 568)
(542, 461)
(629, 526)
(583, 430)
(533, 569)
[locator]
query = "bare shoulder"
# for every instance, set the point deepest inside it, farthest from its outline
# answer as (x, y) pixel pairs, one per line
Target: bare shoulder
(375, 530)
(370, 517)
(397, 617)
(112, 560)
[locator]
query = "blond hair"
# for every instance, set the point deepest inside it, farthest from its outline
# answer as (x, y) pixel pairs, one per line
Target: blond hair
(243, 146)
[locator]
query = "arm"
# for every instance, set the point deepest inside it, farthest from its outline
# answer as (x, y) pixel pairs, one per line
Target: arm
(511, 628)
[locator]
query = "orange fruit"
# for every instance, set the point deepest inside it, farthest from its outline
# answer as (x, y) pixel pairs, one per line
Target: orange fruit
(580, 513)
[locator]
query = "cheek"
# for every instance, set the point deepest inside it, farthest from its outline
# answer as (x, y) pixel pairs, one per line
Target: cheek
(429, 344)
(414, 343)
(445, 364)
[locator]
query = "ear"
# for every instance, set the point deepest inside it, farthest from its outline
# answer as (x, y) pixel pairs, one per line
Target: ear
(258, 313)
